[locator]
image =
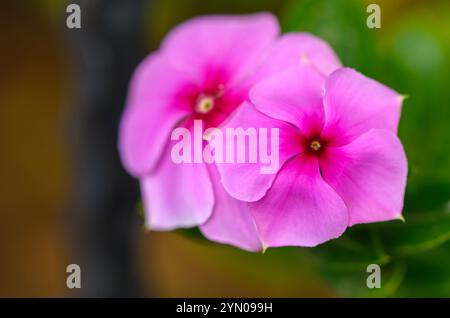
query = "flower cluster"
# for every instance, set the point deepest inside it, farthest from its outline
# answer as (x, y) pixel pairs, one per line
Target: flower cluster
(341, 162)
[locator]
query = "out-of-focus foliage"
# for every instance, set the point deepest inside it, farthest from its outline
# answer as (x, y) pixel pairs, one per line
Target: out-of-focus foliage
(412, 56)
(341, 23)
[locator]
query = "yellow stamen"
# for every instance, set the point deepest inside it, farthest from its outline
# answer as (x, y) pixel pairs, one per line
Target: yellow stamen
(204, 104)
(315, 145)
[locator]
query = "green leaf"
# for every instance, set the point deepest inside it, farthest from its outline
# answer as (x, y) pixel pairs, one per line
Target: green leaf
(427, 274)
(354, 283)
(420, 233)
(353, 251)
(426, 193)
(427, 215)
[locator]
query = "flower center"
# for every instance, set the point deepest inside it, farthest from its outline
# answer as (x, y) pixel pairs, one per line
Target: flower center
(315, 145)
(204, 104)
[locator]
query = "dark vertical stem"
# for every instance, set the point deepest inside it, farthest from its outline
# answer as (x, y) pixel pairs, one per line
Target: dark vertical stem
(103, 214)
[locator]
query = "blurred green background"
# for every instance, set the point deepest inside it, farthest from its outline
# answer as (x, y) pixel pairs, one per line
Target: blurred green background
(410, 53)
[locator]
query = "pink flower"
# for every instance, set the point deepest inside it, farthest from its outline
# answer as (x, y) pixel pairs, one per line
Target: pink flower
(203, 70)
(341, 162)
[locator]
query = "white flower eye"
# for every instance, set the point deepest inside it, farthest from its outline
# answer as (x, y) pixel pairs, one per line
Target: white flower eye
(204, 104)
(315, 145)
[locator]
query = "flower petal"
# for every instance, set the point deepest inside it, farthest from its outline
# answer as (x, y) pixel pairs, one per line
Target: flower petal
(293, 48)
(177, 195)
(300, 209)
(231, 42)
(257, 183)
(231, 221)
(294, 96)
(354, 104)
(369, 174)
(154, 107)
